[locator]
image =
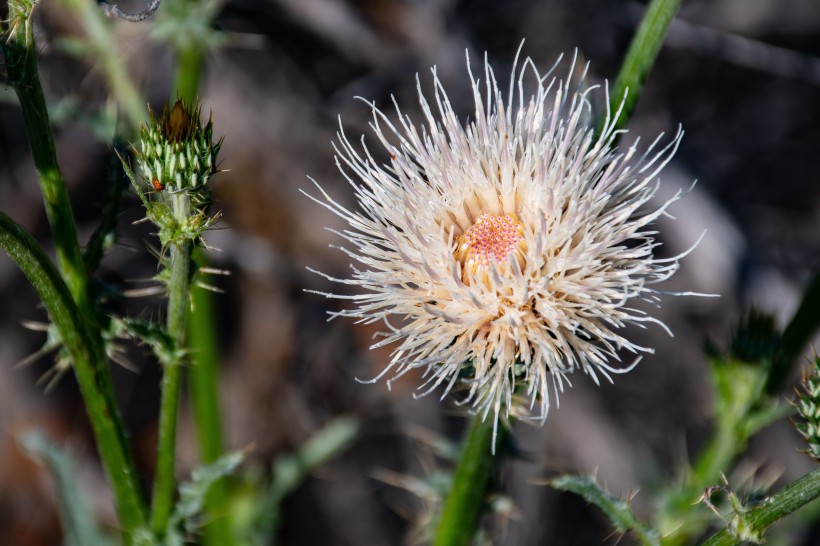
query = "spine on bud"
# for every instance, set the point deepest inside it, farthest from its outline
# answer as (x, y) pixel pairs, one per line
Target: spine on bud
(808, 406)
(176, 159)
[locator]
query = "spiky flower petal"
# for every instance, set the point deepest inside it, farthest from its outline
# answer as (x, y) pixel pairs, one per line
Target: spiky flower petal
(505, 252)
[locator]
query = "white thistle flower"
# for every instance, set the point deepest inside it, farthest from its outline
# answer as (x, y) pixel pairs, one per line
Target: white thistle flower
(505, 253)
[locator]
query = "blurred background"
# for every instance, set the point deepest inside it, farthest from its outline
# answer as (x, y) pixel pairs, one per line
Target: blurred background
(741, 76)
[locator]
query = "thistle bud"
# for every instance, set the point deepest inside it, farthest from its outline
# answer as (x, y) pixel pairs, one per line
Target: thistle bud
(808, 406)
(176, 159)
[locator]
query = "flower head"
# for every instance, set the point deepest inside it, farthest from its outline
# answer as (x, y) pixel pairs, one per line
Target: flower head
(177, 157)
(505, 253)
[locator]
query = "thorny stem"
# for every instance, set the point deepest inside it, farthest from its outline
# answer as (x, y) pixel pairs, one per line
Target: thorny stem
(95, 383)
(66, 294)
(203, 374)
(793, 496)
(464, 505)
(743, 389)
(179, 299)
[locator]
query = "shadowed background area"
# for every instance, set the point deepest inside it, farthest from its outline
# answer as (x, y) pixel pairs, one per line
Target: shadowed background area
(741, 77)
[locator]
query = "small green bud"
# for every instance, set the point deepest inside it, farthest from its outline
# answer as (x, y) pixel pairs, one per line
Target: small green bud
(808, 406)
(176, 158)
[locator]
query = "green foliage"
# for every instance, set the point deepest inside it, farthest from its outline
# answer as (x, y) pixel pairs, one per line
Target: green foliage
(185, 518)
(263, 509)
(155, 336)
(79, 524)
(188, 25)
(617, 510)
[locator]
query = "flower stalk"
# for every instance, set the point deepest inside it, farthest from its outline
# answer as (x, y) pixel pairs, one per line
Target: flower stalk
(203, 375)
(65, 294)
(465, 503)
(21, 61)
(500, 247)
(176, 160)
(94, 381)
(643, 50)
(179, 288)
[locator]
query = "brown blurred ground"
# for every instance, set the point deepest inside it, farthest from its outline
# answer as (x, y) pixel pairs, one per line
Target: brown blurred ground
(741, 76)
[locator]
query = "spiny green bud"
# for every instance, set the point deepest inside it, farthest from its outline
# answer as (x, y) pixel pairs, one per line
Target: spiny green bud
(808, 406)
(176, 158)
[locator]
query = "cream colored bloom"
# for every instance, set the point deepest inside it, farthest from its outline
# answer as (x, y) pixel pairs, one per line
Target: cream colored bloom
(504, 253)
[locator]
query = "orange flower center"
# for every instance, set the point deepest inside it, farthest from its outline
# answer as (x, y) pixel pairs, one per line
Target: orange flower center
(491, 240)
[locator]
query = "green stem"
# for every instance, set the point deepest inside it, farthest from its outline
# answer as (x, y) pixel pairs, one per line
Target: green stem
(462, 509)
(203, 380)
(189, 72)
(21, 62)
(178, 305)
(739, 387)
(95, 385)
(639, 59)
(793, 496)
(203, 374)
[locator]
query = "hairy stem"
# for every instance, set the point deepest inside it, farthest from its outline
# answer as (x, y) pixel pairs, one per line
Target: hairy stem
(793, 496)
(66, 294)
(21, 62)
(203, 375)
(95, 385)
(179, 298)
(463, 507)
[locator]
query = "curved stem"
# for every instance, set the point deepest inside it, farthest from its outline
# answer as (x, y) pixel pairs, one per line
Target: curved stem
(95, 384)
(21, 62)
(463, 507)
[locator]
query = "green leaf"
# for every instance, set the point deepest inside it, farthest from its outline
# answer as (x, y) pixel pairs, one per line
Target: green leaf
(78, 520)
(289, 471)
(153, 334)
(192, 496)
(617, 510)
